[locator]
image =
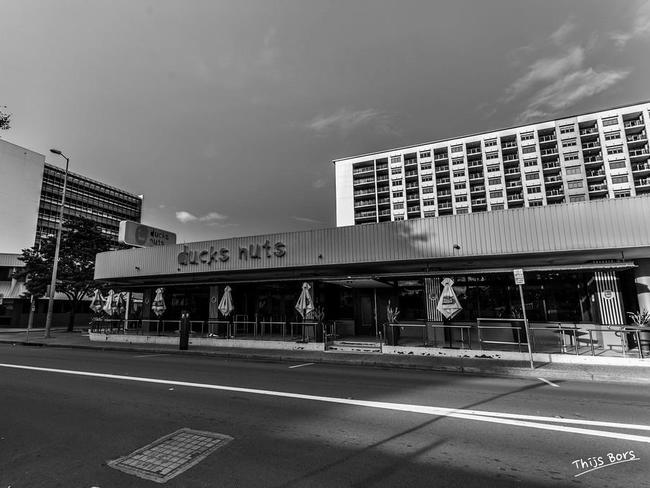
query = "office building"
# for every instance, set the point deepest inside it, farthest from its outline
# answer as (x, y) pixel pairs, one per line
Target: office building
(573, 159)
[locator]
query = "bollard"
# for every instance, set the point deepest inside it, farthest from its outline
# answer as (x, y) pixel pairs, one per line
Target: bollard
(184, 340)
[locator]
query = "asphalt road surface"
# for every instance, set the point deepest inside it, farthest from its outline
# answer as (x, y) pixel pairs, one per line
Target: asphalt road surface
(65, 414)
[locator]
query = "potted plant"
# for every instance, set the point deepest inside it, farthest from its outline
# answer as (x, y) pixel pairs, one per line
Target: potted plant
(393, 331)
(641, 319)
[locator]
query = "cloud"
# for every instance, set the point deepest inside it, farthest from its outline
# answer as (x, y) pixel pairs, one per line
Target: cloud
(569, 90)
(559, 37)
(347, 121)
(209, 218)
(307, 219)
(319, 183)
(640, 27)
(544, 70)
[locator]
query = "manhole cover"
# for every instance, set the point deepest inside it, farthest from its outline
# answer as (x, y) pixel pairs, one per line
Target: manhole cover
(169, 456)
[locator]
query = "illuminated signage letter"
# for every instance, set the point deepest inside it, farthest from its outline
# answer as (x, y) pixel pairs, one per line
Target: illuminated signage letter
(280, 249)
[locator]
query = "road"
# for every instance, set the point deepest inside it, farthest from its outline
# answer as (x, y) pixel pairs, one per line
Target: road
(311, 425)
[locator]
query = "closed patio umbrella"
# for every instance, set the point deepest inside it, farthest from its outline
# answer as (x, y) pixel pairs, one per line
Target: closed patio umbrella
(305, 305)
(226, 306)
(108, 305)
(158, 306)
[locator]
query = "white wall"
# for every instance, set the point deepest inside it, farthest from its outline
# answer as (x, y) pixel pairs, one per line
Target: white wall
(344, 194)
(21, 176)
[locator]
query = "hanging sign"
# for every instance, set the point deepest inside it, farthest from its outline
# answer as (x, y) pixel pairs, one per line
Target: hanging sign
(448, 304)
(140, 235)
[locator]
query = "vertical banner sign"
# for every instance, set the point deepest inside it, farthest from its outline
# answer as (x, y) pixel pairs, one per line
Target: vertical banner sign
(448, 305)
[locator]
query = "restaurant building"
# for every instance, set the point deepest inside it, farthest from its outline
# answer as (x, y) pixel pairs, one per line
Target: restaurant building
(583, 263)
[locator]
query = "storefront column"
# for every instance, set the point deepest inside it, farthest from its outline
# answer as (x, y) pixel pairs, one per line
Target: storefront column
(147, 299)
(642, 281)
(213, 308)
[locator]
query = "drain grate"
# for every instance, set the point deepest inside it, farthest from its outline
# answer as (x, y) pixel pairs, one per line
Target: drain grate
(169, 456)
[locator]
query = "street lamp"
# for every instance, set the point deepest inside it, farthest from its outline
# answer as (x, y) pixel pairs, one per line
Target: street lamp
(59, 230)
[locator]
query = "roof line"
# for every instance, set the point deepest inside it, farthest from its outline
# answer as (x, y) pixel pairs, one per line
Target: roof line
(87, 178)
(334, 161)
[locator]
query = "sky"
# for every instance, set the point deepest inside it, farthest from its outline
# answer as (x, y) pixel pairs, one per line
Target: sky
(226, 115)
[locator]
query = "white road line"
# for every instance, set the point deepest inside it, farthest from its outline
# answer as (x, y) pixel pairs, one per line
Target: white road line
(477, 415)
(300, 365)
(150, 355)
(548, 382)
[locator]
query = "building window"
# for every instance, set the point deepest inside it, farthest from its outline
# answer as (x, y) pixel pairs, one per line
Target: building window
(567, 129)
(463, 210)
(494, 181)
(398, 205)
(396, 159)
(429, 214)
(530, 162)
(429, 202)
(459, 174)
(490, 142)
(574, 184)
(571, 156)
(535, 203)
(610, 121)
(425, 154)
(398, 194)
(568, 142)
(577, 198)
(528, 149)
(621, 194)
(534, 189)
(497, 206)
(496, 194)
(616, 180)
(615, 150)
(425, 166)
(428, 189)
(575, 170)
(617, 164)
(534, 175)
(527, 136)
(458, 148)
(493, 169)
(492, 155)
(399, 217)
(458, 161)
(461, 198)
(459, 186)
(615, 134)
(397, 182)
(427, 177)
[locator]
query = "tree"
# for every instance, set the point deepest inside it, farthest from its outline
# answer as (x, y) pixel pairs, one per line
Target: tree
(5, 119)
(81, 240)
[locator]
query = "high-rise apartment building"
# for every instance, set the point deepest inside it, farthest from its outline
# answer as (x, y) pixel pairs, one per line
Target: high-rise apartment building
(91, 199)
(579, 158)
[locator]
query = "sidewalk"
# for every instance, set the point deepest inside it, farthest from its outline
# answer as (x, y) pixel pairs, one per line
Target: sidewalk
(473, 366)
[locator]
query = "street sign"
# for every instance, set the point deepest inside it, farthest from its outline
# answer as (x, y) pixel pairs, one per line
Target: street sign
(519, 276)
(140, 235)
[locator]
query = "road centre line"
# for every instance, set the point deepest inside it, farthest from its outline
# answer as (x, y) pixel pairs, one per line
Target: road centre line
(548, 382)
(150, 355)
(477, 415)
(300, 365)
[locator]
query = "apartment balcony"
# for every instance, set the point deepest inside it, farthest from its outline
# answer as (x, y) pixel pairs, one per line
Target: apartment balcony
(511, 171)
(476, 150)
(410, 162)
(550, 152)
(509, 145)
(553, 180)
(441, 157)
(411, 174)
(476, 176)
(370, 214)
(475, 163)
(413, 198)
(628, 124)
(383, 201)
(383, 213)
(412, 185)
(416, 208)
(444, 194)
(591, 146)
(639, 153)
(553, 194)
(642, 183)
(383, 189)
(513, 184)
(360, 193)
(597, 188)
(640, 137)
(428, 203)
(588, 131)
(425, 166)
(479, 202)
(510, 158)
(364, 203)
(477, 189)
(445, 206)
(547, 138)
(382, 167)
(382, 178)
(365, 169)
(364, 181)
(443, 181)
(595, 175)
(551, 166)
(641, 168)
(515, 197)
(442, 169)
(593, 160)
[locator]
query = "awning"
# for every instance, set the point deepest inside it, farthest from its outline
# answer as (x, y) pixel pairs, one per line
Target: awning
(359, 283)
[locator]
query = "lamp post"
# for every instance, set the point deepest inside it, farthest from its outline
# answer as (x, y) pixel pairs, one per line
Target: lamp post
(59, 230)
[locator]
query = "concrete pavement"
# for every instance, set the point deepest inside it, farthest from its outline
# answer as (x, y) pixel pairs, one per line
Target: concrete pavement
(464, 365)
